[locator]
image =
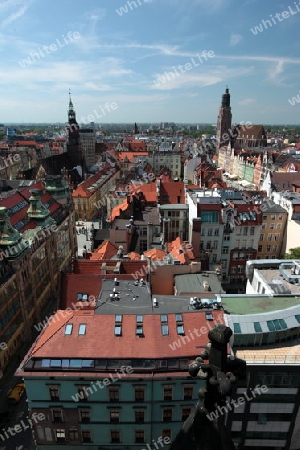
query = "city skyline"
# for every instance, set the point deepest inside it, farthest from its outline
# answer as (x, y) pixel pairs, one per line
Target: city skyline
(156, 61)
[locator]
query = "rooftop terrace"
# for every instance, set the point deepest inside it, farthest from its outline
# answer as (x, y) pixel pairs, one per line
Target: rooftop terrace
(257, 304)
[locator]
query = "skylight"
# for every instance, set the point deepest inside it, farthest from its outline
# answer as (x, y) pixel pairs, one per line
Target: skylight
(180, 329)
(118, 330)
(139, 330)
(178, 318)
(139, 319)
(118, 318)
(164, 318)
(82, 297)
(165, 330)
(82, 329)
(68, 329)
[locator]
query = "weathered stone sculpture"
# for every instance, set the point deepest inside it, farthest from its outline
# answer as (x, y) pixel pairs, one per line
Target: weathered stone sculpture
(205, 427)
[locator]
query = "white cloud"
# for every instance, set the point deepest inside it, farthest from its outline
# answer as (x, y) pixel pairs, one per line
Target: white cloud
(275, 72)
(14, 16)
(246, 101)
(98, 87)
(235, 39)
(170, 79)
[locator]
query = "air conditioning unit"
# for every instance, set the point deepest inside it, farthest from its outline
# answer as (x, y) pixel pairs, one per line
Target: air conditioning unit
(206, 286)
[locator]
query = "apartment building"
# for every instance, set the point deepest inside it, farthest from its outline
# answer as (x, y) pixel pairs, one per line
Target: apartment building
(166, 159)
(290, 201)
(276, 276)
(38, 240)
(266, 335)
(127, 392)
(205, 225)
(242, 220)
(272, 237)
(87, 137)
(90, 196)
(175, 221)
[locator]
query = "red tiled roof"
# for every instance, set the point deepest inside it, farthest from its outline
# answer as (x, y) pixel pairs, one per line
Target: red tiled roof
(94, 267)
(105, 251)
(134, 256)
(180, 252)
(100, 328)
(82, 189)
(155, 254)
(88, 280)
(26, 144)
(22, 196)
(131, 156)
(148, 190)
(116, 211)
(174, 191)
(134, 267)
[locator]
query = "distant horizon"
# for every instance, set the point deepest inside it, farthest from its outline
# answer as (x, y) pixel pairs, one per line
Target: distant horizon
(146, 123)
(108, 53)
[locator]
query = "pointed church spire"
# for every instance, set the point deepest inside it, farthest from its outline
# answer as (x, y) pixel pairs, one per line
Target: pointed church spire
(71, 107)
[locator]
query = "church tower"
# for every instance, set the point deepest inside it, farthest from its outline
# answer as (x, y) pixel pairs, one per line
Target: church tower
(73, 144)
(224, 121)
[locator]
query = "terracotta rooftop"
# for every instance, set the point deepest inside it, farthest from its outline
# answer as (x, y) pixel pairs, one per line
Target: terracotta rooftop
(155, 254)
(85, 189)
(134, 256)
(117, 210)
(54, 343)
(105, 251)
(181, 251)
(130, 156)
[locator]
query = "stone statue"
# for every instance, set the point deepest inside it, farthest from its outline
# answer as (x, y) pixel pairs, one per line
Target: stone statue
(205, 427)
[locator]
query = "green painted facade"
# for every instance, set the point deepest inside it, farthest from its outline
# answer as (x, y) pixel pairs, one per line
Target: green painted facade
(100, 408)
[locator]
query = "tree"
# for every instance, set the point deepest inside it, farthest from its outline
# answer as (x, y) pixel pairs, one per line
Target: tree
(293, 254)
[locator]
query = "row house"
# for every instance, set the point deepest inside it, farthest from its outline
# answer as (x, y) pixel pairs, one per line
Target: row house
(290, 201)
(90, 196)
(37, 242)
(272, 238)
(242, 224)
(224, 232)
(205, 225)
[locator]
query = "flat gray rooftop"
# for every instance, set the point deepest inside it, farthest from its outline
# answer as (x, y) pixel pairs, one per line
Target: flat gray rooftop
(132, 298)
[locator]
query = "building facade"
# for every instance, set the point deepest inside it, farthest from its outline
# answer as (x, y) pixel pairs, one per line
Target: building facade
(87, 138)
(272, 236)
(132, 391)
(38, 240)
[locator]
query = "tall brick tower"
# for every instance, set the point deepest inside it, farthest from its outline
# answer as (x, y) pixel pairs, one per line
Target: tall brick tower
(224, 121)
(73, 144)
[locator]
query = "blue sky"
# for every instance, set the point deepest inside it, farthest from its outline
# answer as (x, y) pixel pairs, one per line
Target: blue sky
(120, 58)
